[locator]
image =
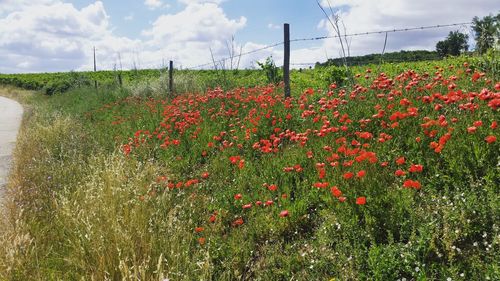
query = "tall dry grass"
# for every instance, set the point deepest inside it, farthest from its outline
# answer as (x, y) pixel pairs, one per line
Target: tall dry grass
(76, 211)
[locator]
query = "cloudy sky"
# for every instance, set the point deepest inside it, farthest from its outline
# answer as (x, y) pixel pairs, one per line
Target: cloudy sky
(59, 35)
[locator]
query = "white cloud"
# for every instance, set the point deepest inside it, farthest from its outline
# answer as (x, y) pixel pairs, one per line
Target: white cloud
(190, 34)
(198, 22)
(50, 35)
(189, 2)
(273, 26)
(153, 4)
(56, 37)
(366, 15)
(129, 17)
(7, 6)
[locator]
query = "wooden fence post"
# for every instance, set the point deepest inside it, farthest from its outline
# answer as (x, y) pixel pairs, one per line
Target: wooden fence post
(120, 81)
(171, 78)
(286, 79)
(286, 62)
(95, 70)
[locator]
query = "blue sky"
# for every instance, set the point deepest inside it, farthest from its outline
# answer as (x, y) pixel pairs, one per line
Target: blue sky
(303, 15)
(58, 35)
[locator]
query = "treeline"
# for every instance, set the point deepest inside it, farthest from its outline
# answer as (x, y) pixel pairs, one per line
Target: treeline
(401, 56)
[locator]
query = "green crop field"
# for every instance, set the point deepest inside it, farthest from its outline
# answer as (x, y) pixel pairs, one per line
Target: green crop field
(385, 172)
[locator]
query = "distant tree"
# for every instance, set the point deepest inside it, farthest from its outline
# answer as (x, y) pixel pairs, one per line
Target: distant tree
(442, 48)
(486, 32)
(454, 44)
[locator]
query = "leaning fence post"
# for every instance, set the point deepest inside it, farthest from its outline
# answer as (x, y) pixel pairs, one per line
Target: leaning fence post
(171, 78)
(286, 62)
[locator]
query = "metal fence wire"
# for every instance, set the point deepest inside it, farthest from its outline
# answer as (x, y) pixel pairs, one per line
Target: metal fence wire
(462, 25)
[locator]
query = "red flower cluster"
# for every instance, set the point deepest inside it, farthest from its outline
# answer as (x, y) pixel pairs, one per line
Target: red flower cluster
(381, 132)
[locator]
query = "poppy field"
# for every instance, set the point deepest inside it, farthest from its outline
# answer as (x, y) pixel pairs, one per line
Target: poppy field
(392, 177)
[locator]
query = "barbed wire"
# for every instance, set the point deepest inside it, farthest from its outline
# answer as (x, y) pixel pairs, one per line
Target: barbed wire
(302, 63)
(382, 31)
(223, 60)
(364, 62)
(239, 55)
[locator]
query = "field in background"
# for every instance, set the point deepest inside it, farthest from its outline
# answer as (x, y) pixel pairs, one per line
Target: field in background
(321, 75)
(392, 177)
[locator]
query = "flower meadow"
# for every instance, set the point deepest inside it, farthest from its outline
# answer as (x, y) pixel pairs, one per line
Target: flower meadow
(395, 177)
(366, 157)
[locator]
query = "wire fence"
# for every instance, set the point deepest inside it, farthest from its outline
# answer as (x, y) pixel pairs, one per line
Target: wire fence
(221, 61)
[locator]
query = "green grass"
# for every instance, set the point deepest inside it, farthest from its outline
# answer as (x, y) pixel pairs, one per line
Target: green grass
(83, 208)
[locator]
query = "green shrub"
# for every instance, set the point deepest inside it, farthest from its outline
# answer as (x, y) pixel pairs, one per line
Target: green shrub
(333, 75)
(272, 71)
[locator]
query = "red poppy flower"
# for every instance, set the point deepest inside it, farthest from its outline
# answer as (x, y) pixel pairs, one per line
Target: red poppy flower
(475, 76)
(471, 130)
(272, 187)
(416, 168)
(361, 200)
(205, 175)
(399, 173)
(238, 196)
(238, 222)
(490, 139)
(400, 161)
(161, 178)
(212, 218)
(201, 241)
(298, 168)
(348, 175)
(320, 184)
(412, 184)
(247, 206)
(321, 173)
(284, 213)
(335, 191)
(199, 229)
(269, 202)
(126, 149)
(361, 174)
(234, 159)
(320, 165)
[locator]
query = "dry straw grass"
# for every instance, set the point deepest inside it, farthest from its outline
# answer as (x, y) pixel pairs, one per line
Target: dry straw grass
(77, 213)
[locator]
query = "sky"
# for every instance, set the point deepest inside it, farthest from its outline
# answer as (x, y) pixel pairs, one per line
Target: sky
(59, 35)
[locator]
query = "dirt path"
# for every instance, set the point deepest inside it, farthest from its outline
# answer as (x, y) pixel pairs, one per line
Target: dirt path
(11, 113)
